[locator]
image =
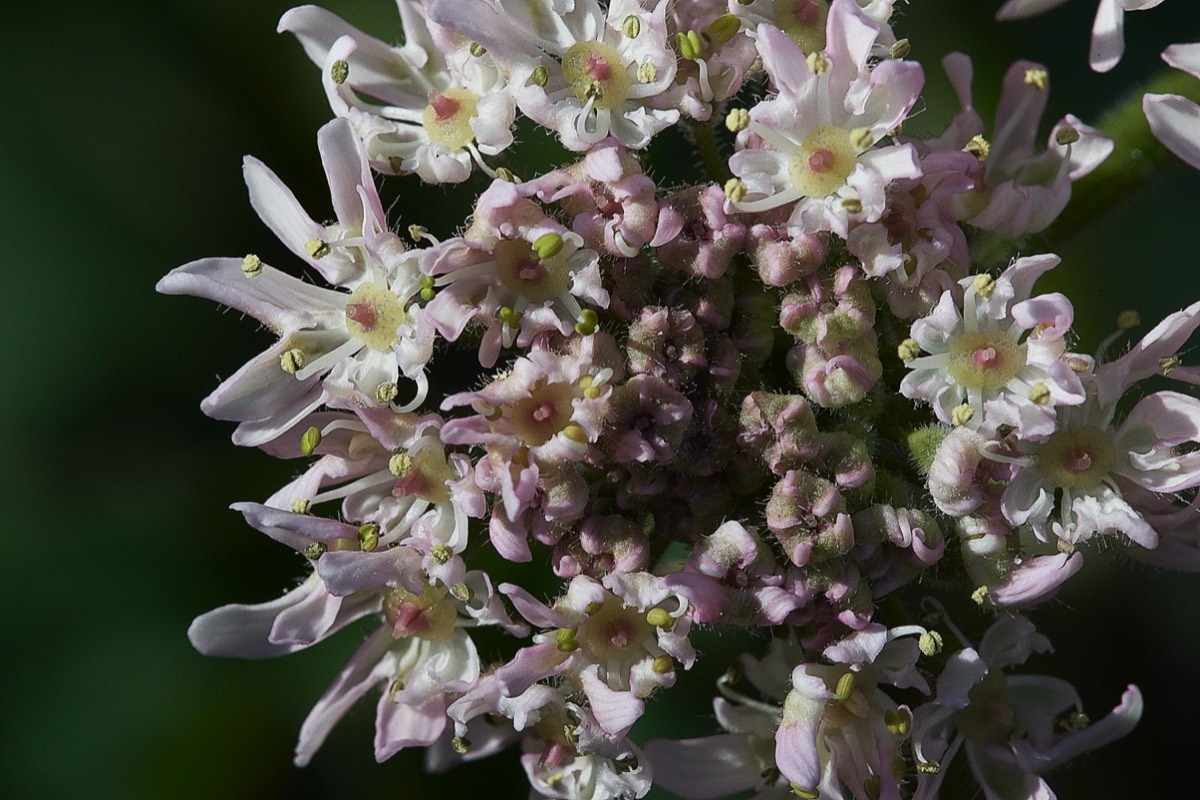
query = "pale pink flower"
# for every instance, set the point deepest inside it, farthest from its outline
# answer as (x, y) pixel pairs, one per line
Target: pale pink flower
(429, 106)
(815, 141)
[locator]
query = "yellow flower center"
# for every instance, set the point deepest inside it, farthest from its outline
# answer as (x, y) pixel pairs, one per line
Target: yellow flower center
(596, 70)
(429, 615)
(536, 279)
(543, 414)
(804, 21)
(823, 162)
(1078, 459)
(985, 360)
(374, 316)
(447, 118)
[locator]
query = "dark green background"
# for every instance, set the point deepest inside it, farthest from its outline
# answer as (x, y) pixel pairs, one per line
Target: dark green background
(123, 125)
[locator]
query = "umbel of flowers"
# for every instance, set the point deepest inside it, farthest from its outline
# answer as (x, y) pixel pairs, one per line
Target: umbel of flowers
(773, 401)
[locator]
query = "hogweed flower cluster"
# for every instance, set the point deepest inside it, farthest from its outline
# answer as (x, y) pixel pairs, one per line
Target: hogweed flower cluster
(773, 401)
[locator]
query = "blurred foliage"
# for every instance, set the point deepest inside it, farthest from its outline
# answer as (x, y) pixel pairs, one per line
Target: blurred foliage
(122, 134)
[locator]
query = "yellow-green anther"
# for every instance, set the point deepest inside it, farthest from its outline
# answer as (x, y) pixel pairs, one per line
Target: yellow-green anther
(593, 608)
(1128, 319)
(427, 290)
(807, 794)
(900, 49)
(735, 190)
(979, 595)
(663, 664)
(462, 592)
(1039, 393)
(505, 174)
(440, 553)
(540, 75)
(908, 350)
(738, 119)
(818, 64)
(723, 28)
(476, 49)
(292, 360)
(397, 165)
(386, 392)
(417, 232)
(845, 687)
(575, 434)
(898, 722)
(314, 550)
(689, 44)
(316, 248)
(984, 285)
(1038, 78)
(961, 415)
(586, 325)
(929, 767)
(930, 643)
(252, 266)
(400, 464)
(564, 639)
(300, 505)
(1066, 135)
(339, 71)
(647, 72)
(310, 440)
(873, 787)
(548, 245)
(861, 138)
(1168, 364)
(631, 26)
(461, 745)
(660, 618)
(368, 536)
(852, 205)
(1075, 721)
(979, 147)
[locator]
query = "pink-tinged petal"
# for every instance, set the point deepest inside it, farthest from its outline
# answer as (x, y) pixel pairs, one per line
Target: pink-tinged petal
(1088, 152)
(1118, 723)
(1138, 5)
(1000, 777)
(254, 433)
(399, 725)
(307, 621)
(349, 571)
(1184, 56)
(274, 298)
(1052, 314)
(1011, 640)
(346, 170)
(1108, 36)
(796, 740)
(893, 163)
(783, 61)
(1154, 428)
(533, 609)
(860, 647)
(1104, 511)
(616, 711)
(1021, 9)
(898, 83)
(296, 531)
(509, 538)
(261, 389)
(1178, 549)
(279, 209)
(366, 668)
(962, 672)
(1034, 580)
(1175, 121)
(243, 631)
(1017, 117)
(529, 666)
(1164, 340)
(376, 69)
(1028, 497)
(707, 768)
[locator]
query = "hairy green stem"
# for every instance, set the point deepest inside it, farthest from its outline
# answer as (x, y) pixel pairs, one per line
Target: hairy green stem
(710, 156)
